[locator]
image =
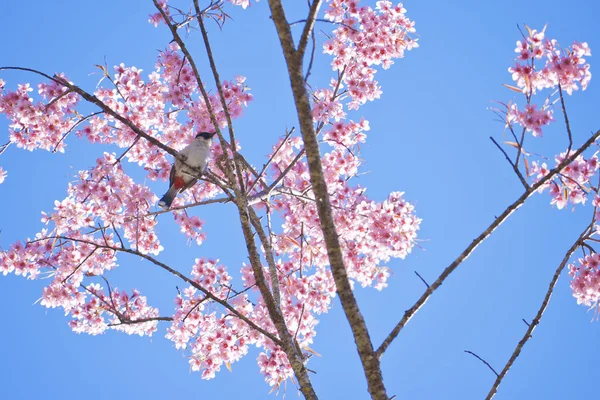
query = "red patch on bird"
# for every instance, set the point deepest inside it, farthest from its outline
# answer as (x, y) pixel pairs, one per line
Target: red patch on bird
(179, 182)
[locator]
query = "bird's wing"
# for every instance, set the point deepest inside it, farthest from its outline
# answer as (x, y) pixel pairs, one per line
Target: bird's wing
(172, 175)
(188, 185)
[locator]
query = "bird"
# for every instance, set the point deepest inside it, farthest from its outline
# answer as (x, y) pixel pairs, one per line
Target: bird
(185, 174)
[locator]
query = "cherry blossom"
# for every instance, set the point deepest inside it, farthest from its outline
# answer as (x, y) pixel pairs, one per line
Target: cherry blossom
(585, 282)
(564, 68)
(366, 38)
(106, 211)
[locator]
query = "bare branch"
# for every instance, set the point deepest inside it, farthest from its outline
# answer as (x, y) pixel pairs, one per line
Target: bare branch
(408, 314)
(53, 79)
(195, 204)
(535, 322)
(520, 148)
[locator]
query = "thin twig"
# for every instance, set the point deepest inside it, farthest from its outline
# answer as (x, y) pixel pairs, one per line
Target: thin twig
(308, 27)
(5, 146)
(423, 280)
(73, 127)
(482, 360)
(270, 160)
(312, 55)
(514, 167)
(564, 110)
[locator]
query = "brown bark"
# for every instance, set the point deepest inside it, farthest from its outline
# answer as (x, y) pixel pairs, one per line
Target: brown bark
(358, 325)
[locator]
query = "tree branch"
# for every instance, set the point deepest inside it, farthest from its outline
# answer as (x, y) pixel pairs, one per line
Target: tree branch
(358, 325)
(535, 322)
(181, 276)
(408, 314)
(564, 110)
(514, 167)
(217, 79)
(308, 27)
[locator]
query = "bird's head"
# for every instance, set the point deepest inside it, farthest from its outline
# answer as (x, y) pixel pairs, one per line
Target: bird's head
(205, 136)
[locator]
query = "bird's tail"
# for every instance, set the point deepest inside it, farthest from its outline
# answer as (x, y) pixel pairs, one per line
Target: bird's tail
(167, 199)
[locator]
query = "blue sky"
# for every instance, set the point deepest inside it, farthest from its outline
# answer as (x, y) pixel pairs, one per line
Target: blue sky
(429, 138)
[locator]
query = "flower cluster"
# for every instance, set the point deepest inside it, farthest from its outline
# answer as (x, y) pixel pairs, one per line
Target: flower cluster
(106, 211)
(41, 124)
(567, 68)
(573, 184)
(531, 118)
(213, 338)
(130, 314)
(585, 282)
(366, 38)
(564, 68)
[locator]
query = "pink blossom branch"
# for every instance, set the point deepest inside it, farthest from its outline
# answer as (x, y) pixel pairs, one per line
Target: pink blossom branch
(270, 160)
(535, 322)
(173, 28)
(140, 321)
(181, 276)
(287, 169)
(74, 126)
(255, 220)
(370, 362)
(215, 72)
(408, 314)
(123, 320)
(94, 100)
(287, 343)
(224, 144)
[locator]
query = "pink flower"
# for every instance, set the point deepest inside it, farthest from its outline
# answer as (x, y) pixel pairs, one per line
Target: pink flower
(531, 118)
